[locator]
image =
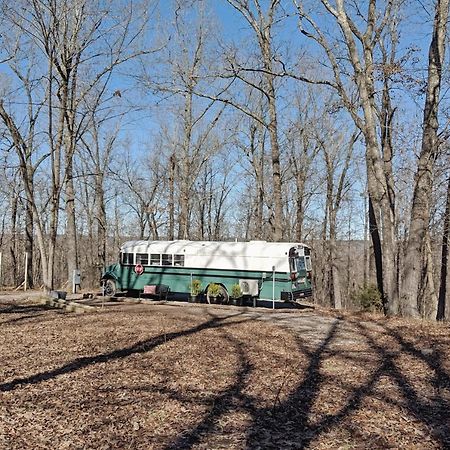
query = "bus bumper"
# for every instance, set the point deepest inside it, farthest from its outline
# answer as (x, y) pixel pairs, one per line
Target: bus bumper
(295, 295)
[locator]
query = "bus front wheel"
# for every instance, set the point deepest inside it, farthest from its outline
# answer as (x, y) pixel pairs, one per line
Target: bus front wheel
(110, 288)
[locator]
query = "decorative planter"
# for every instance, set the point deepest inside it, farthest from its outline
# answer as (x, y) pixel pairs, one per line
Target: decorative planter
(195, 298)
(236, 301)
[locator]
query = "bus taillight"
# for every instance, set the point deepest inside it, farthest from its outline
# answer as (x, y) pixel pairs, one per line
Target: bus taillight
(309, 275)
(293, 276)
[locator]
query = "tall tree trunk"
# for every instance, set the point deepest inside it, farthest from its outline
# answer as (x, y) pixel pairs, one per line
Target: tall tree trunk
(334, 278)
(29, 240)
(377, 182)
(440, 315)
(56, 188)
(172, 168)
(276, 175)
(300, 181)
(376, 246)
(101, 223)
(430, 296)
(367, 256)
(186, 170)
(277, 220)
(257, 153)
(13, 241)
(423, 182)
(71, 228)
(386, 120)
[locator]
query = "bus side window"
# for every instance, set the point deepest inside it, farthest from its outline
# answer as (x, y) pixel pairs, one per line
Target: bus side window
(292, 266)
(127, 259)
(178, 260)
(166, 260)
(155, 259)
(142, 258)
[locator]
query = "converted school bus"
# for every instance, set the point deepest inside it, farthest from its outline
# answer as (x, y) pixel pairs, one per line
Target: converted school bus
(277, 271)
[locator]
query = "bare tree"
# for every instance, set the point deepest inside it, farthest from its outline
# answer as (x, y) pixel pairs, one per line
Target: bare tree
(250, 138)
(212, 193)
(303, 147)
(337, 184)
(423, 183)
(262, 24)
(359, 45)
(71, 38)
(22, 59)
(95, 154)
(442, 300)
(143, 187)
(184, 69)
(261, 79)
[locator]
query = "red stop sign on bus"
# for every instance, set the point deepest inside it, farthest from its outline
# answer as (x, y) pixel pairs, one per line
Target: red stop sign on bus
(139, 269)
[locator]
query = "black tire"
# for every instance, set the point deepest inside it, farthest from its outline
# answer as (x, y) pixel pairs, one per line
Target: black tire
(110, 289)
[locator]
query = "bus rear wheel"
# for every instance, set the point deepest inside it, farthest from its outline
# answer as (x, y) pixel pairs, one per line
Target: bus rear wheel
(110, 288)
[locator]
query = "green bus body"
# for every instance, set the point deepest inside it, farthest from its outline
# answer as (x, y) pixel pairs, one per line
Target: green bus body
(252, 262)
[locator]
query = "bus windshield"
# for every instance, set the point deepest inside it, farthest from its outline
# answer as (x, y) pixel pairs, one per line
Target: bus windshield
(299, 264)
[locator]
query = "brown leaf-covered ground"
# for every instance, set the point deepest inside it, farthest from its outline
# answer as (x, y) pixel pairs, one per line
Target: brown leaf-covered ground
(179, 376)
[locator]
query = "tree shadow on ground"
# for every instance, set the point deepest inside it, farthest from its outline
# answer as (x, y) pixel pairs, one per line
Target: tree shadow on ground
(433, 411)
(26, 312)
(139, 347)
(12, 308)
(292, 423)
(234, 399)
(231, 399)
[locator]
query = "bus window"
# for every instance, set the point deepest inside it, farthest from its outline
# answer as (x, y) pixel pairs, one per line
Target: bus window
(308, 262)
(142, 258)
(166, 260)
(178, 260)
(127, 259)
(292, 266)
(155, 259)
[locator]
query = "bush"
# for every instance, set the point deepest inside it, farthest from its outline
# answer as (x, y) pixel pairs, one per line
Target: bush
(214, 290)
(195, 287)
(236, 291)
(368, 297)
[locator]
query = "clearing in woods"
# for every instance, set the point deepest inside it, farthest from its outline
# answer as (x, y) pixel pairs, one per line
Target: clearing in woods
(174, 375)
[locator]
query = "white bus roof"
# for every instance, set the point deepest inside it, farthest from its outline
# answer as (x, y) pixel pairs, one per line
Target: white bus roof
(252, 255)
(250, 248)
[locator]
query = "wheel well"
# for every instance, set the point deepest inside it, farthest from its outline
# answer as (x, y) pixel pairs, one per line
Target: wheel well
(108, 277)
